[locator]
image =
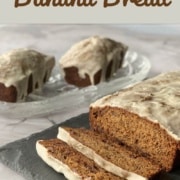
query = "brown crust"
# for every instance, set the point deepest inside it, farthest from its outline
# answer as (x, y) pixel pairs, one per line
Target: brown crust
(45, 77)
(136, 132)
(72, 77)
(30, 84)
(8, 94)
(108, 71)
(97, 77)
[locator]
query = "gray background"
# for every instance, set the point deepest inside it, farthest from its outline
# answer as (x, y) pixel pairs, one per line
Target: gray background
(97, 14)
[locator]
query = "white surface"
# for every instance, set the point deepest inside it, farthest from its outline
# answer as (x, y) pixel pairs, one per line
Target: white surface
(161, 48)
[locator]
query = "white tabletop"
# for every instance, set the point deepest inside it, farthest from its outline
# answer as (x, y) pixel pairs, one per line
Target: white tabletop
(159, 43)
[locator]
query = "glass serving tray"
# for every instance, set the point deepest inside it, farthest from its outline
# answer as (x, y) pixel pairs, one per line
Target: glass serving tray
(57, 94)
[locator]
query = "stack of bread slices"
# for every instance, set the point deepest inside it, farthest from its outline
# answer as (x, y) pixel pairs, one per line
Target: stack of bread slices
(134, 135)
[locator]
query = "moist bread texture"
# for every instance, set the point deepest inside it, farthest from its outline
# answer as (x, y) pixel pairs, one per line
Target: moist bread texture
(74, 165)
(23, 71)
(109, 155)
(145, 117)
(92, 61)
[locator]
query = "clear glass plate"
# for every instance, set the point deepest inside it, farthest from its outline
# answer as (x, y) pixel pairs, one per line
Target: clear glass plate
(58, 95)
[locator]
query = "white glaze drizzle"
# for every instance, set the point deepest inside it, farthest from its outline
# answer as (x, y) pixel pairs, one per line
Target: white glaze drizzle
(156, 99)
(17, 66)
(93, 54)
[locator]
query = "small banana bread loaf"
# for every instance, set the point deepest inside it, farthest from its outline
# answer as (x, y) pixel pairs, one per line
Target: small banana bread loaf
(92, 61)
(21, 72)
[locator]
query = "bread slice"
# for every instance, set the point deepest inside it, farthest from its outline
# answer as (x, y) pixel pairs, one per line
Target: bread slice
(113, 157)
(74, 165)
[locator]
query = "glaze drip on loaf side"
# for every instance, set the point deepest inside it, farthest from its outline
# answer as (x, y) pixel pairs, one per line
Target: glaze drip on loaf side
(93, 55)
(156, 99)
(22, 66)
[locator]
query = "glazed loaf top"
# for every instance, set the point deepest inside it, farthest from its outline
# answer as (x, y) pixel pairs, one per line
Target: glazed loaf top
(20, 63)
(92, 54)
(156, 99)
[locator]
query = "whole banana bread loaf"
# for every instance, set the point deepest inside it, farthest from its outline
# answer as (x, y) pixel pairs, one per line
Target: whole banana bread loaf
(145, 117)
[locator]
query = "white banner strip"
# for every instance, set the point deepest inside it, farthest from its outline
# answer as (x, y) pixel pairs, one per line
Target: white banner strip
(89, 11)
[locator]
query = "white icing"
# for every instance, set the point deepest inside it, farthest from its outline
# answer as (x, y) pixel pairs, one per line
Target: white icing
(93, 54)
(19, 64)
(66, 137)
(157, 99)
(55, 163)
